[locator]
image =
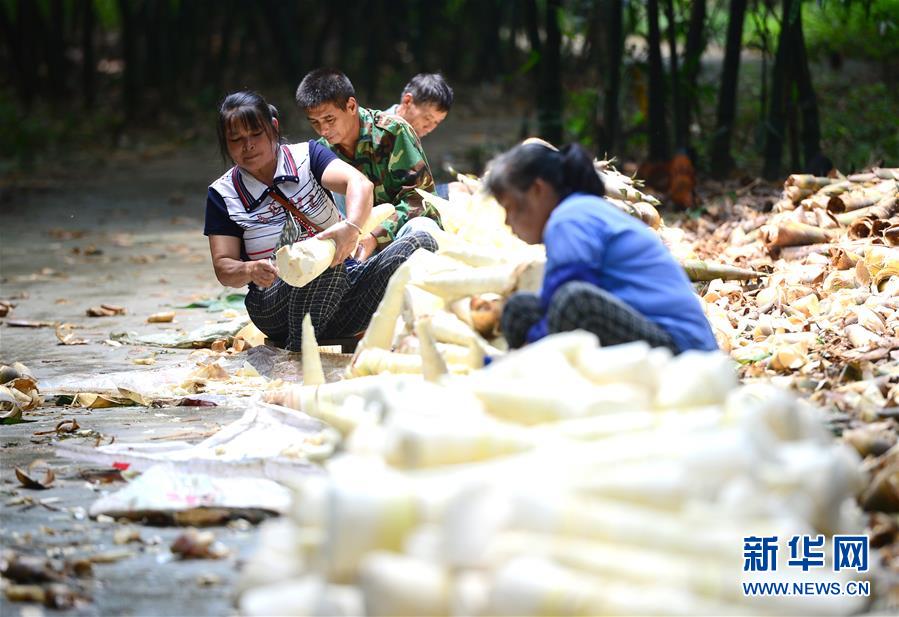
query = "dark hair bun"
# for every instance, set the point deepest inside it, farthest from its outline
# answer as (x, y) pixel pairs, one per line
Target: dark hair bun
(578, 172)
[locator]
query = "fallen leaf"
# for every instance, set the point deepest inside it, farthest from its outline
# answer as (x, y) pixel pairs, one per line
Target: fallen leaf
(164, 317)
(105, 310)
(25, 593)
(208, 580)
(110, 556)
(67, 337)
(92, 400)
(24, 323)
(126, 535)
(65, 426)
(195, 402)
(28, 482)
(239, 345)
(59, 233)
(26, 569)
(5, 308)
(102, 476)
(219, 345)
(193, 544)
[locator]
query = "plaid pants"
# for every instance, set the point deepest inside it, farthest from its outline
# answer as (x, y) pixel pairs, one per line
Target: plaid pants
(582, 306)
(340, 301)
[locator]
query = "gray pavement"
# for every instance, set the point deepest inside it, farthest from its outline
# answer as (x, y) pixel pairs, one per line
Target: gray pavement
(129, 235)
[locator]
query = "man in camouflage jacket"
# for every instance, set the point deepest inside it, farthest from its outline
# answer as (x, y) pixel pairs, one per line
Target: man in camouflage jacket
(383, 147)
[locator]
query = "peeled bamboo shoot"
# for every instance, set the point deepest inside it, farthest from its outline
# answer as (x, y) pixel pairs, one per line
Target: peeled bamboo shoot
(313, 374)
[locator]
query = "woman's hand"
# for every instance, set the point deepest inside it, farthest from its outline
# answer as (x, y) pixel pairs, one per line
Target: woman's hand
(262, 272)
(366, 247)
(345, 238)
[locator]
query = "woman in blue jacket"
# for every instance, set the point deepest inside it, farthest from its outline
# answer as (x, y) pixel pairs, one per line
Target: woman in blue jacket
(606, 271)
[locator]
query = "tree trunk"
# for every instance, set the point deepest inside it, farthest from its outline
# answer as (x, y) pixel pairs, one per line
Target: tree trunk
(807, 100)
(721, 161)
(692, 63)
(659, 149)
(611, 129)
(776, 124)
(15, 44)
(55, 50)
(130, 75)
(487, 63)
(89, 62)
(549, 107)
(680, 130)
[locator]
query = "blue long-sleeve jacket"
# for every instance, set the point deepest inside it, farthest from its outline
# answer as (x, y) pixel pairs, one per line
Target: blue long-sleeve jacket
(588, 239)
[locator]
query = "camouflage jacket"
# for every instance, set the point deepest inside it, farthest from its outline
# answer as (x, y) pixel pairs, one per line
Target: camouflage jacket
(389, 153)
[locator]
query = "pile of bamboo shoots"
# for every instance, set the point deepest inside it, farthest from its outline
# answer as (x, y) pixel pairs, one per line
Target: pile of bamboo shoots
(563, 478)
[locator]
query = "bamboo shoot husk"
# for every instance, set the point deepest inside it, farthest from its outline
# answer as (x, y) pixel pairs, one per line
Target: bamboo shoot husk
(854, 200)
(313, 374)
(809, 181)
(699, 270)
(794, 234)
(648, 214)
(891, 234)
(797, 194)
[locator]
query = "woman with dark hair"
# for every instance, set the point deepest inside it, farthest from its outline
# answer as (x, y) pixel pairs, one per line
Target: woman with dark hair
(277, 194)
(606, 271)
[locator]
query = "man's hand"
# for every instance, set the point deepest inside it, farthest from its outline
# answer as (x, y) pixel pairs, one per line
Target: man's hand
(366, 247)
(262, 272)
(345, 238)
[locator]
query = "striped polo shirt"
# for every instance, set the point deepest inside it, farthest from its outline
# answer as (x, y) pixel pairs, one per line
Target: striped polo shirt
(239, 205)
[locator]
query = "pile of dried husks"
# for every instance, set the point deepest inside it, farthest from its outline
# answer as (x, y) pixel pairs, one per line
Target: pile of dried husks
(564, 478)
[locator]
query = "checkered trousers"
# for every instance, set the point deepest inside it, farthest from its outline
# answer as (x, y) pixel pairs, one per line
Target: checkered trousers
(579, 305)
(340, 301)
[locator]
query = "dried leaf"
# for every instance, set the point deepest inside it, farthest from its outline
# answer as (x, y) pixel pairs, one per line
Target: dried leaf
(193, 544)
(163, 317)
(28, 482)
(92, 400)
(24, 323)
(67, 337)
(219, 345)
(102, 476)
(105, 310)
